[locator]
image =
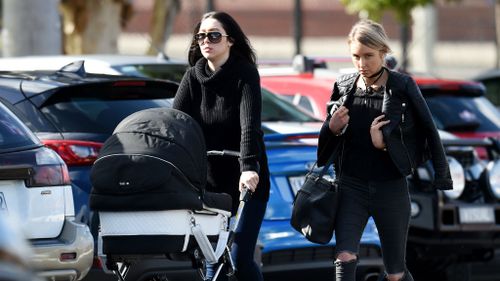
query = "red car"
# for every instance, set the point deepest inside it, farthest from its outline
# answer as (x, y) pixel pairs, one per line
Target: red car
(305, 90)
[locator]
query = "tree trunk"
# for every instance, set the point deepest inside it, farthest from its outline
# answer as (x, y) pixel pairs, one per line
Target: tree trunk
(297, 26)
(405, 39)
(93, 26)
(210, 5)
(423, 39)
(497, 28)
(31, 27)
(164, 13)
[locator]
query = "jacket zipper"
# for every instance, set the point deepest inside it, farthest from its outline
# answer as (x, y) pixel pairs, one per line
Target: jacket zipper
(402, 137)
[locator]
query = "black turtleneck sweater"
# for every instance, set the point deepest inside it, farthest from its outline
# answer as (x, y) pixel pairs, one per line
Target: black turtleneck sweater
(227, 105)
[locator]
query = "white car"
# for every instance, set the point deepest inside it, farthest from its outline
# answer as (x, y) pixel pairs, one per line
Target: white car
(35, 190)
(158, 67)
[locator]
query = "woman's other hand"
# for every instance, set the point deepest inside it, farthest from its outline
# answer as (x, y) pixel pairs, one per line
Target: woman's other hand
(376, 132)
(249, 179)
(339, 120)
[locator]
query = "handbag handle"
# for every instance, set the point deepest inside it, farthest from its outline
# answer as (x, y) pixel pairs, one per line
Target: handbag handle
(328, 163)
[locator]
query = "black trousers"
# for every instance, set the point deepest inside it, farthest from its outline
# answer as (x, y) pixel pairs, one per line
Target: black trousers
(388, 202)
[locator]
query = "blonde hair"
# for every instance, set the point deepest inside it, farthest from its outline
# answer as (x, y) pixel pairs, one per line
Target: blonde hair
(371, 34)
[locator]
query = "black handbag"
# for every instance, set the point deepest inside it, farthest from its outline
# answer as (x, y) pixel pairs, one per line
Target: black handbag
(315, 206)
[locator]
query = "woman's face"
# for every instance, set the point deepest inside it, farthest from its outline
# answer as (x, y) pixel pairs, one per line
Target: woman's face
(214, 50)
(366, 60)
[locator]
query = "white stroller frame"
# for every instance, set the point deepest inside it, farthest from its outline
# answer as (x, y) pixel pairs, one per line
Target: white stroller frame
(198, 224)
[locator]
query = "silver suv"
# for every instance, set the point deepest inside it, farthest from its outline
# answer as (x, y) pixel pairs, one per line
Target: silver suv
(35, 190)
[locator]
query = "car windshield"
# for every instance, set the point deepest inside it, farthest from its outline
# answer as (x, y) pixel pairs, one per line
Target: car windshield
(13, 134)
(275, 108)
(462, 113)
(173, 72)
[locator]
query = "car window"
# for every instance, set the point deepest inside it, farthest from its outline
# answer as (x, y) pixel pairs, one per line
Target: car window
(173, 72)
(299, 100)
(13, 134)
(459, 113)
(275, 108)
(493, 90)
(99, 110)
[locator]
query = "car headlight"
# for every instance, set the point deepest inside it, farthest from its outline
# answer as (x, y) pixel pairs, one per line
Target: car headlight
(494, 178)
(458, 177)
(415, 209)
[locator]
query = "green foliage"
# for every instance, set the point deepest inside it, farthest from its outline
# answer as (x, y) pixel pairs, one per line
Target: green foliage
(374, 9)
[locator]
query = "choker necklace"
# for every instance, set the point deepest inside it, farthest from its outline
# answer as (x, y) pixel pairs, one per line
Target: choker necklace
(369, 89)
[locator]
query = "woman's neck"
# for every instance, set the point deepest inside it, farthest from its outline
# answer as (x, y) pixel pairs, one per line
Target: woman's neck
(375, 77)
(216, 63)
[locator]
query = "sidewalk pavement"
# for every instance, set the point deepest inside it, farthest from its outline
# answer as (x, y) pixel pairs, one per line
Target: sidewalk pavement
(452, 59)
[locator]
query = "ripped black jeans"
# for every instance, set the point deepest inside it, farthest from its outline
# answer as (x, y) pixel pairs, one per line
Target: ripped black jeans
(388, 202)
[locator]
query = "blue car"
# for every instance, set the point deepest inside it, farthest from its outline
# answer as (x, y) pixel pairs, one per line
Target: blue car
(285, 252)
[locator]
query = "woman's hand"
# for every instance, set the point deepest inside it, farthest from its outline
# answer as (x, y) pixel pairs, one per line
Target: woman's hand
(249, 179)
(339, 120)
(376, 132)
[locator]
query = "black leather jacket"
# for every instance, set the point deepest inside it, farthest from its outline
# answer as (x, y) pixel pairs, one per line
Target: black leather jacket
(411, 136)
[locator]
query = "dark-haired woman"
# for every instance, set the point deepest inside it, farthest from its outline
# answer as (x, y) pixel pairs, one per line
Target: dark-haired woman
(221, 90)
(380, 129)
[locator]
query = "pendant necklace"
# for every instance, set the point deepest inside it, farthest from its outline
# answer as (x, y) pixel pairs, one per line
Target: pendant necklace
(369, 89)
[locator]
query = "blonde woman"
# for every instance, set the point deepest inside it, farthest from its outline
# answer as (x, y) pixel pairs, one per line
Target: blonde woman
(383, 128)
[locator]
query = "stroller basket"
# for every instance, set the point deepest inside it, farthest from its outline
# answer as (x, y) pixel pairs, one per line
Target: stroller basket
(158, 232)
(149, 190)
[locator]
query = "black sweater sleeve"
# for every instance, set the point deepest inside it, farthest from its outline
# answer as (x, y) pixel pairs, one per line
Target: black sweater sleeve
(250, 120)
(182, 100)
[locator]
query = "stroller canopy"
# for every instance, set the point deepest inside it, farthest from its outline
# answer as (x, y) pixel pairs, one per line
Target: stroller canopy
(155, 160)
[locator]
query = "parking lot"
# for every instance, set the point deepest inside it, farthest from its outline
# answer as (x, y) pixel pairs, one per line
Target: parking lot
(452, 240)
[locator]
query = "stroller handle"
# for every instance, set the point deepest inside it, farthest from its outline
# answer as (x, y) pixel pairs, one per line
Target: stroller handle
(223, 153)
(245, 194)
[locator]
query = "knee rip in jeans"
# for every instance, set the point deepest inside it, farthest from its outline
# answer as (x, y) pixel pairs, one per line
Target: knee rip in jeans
(346, 256)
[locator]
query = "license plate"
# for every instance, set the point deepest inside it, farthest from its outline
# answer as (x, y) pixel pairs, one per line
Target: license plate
(476, 215)
(3, 203)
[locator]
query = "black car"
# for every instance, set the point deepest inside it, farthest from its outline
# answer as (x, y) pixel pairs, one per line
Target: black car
(454, 232)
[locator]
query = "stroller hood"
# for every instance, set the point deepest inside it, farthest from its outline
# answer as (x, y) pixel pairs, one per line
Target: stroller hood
(155, 159)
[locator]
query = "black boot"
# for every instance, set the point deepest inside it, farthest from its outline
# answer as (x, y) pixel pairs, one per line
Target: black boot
(345, 271)
(406, 276)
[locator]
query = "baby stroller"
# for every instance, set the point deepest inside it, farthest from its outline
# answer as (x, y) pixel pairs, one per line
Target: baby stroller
(149, 191)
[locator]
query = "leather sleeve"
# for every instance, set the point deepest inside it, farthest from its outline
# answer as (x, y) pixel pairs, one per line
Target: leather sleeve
(440, 163)
(327, 140)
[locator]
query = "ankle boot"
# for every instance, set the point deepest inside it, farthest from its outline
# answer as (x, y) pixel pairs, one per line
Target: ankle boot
(406, 276)
(345, 271)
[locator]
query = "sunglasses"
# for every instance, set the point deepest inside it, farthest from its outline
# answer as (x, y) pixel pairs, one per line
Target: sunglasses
(213, 36)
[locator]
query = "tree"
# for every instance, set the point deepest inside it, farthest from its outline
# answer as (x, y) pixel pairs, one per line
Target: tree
(98, 35)
(374, 10)
(40, 35)
(164, 13)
